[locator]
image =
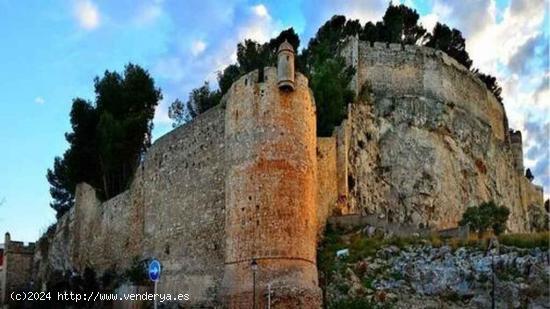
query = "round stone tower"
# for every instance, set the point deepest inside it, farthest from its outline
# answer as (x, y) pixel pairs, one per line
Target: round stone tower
(270, 192)
(285, 66)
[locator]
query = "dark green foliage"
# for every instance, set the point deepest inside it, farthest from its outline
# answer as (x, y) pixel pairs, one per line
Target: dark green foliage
(177, 112)
(400, 25)
(108, 138)
(329, 82)
(451, 42)
(370, 33)
(328, 74)
(200, 100)
(80, 162)
(252, 55)
(486, 215)
(285, 35)
(228, 76)
(326, 42)
(126, 107)
(61, 187)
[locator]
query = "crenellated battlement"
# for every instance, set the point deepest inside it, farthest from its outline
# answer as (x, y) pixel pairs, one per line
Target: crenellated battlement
(395, 70)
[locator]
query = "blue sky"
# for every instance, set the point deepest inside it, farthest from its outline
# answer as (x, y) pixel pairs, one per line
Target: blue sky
(50, 51)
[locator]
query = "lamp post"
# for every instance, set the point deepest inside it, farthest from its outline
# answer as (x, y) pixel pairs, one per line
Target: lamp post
(254, 266)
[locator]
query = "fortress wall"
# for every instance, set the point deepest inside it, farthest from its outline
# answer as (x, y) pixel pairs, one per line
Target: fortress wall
(16, 269)
(183, 206)
(395, 70)
(173, 211)
(428, 141)
(62, 245)
(341, 133)
(327, 190)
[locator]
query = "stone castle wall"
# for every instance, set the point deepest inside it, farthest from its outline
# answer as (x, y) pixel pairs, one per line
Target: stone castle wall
(173, 211)
(428, 140)
(424, 141)
(16, 269)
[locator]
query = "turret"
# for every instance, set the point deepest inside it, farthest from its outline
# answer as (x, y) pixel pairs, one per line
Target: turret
(516, 144)
(285, 66)
(7, 239)
(270, 194)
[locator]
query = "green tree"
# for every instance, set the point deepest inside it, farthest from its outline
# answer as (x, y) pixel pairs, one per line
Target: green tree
(126, 107)
(61, 187)
(400, 25)
(227, 77)
(486, 215)
(79, 163)
(252, 55)
(451, 42)
(329, 76)
(329, 83)
(108, 138)
(370, 32)
(176, 112)
(201, 99)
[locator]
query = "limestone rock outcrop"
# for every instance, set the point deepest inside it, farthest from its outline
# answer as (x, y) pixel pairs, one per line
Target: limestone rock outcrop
(427, 140)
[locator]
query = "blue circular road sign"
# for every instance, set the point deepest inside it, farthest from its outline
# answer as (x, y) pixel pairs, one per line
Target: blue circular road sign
(154, 270)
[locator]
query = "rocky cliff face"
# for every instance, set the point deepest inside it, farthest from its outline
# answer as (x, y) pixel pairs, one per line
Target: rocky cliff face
(428, 140)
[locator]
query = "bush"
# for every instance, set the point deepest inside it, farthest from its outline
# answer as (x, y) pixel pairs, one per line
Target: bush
(486, 215)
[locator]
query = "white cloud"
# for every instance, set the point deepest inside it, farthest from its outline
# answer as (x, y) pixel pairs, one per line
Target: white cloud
(197, 47)
(39, 100)
(87, 14)
(260, 10)
(259, 27)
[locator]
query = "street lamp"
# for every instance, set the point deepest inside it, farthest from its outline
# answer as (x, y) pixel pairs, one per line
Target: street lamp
(254, 266)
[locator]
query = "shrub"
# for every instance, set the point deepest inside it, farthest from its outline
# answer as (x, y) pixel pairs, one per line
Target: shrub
(486, 215)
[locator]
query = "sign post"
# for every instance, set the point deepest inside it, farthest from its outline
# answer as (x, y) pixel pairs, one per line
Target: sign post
(154, 275)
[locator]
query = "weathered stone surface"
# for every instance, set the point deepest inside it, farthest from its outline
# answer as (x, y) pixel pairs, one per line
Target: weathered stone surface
(173, 211)
(16, 270)
(422, 276)
(271, 186)
(428, 140)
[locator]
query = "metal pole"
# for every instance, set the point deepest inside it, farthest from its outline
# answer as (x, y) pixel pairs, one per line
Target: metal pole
(269, 295)
(254, 290)
(493, 291)
(155, 295)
